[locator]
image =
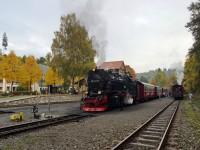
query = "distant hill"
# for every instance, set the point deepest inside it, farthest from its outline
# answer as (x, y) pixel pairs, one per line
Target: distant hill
(150, 74)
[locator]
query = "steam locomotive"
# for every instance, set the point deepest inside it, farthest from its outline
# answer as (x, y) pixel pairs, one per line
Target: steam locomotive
(107, 90)
(177, 92)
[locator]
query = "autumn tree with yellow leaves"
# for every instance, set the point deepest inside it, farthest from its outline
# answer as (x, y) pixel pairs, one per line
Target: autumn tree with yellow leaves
(72, 49)
(163, 80)
(191, 75)
(10, 68)
(31, 72)
(191, 80)
(160, 78)
(131, 72)
(52, 77)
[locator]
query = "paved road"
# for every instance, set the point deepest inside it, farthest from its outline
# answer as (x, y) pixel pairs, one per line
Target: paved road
(55, 109)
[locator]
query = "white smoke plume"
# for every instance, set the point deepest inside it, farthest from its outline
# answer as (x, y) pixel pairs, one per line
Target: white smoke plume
(178, 66)
(89, 14)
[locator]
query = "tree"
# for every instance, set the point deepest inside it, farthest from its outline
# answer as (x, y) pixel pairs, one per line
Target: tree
(131, 71)
(1, 66)
(143, 79)
(52, 78)
(153, 82)
(72, 50)
(191, 76)
(10, 66)
(160, 78)
(41, 60)
(172, 79)
(5, 41)
(194, 27)
(31, 71)
(24, 58)
(192, 64)
(48, 58)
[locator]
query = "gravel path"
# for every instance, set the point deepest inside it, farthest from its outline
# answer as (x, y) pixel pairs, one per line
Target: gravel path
(101, 132)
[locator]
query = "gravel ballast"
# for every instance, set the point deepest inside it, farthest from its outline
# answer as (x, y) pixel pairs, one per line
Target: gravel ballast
(101, 132)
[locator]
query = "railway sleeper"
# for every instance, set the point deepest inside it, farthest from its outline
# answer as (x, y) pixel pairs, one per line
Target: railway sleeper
(152, 133)
(147, 136)
(159, 124)
(170, 148)
(155, 129)
(166, 115)
(161, 120)
(147, 141)
(140, 146)
(172, 139)
(172, 143)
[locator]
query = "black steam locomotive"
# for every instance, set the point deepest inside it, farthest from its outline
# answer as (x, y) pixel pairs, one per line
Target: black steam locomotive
(107, 89)
(177, 92)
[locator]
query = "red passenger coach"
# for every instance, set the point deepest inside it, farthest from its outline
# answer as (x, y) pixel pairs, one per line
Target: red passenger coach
(140, 91)
(146, 91)
(150, 91)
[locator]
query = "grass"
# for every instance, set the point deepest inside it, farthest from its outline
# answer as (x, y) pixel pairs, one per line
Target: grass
(192, 113)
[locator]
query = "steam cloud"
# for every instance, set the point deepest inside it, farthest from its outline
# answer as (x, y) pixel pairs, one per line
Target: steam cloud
(89, 14)
(177, 65)
(179, 71)
(91, 17)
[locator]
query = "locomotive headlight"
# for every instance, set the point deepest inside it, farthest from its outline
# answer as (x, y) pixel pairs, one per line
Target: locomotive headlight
(99, 92)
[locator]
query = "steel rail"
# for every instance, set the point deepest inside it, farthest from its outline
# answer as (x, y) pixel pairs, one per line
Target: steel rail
(13, 129)
(135, 133)
(164, 139)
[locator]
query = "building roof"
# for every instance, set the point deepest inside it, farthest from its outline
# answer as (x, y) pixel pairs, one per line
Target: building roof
(112, 65)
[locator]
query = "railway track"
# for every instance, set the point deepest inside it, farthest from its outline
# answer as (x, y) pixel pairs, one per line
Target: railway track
(153, 133)
(41, 123)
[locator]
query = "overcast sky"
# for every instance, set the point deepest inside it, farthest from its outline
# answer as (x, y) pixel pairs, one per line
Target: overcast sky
(145, 34)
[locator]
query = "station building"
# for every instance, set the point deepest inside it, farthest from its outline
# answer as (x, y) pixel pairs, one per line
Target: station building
(114, 66)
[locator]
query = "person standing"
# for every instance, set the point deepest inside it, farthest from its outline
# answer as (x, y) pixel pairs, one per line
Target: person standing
(190, 96)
